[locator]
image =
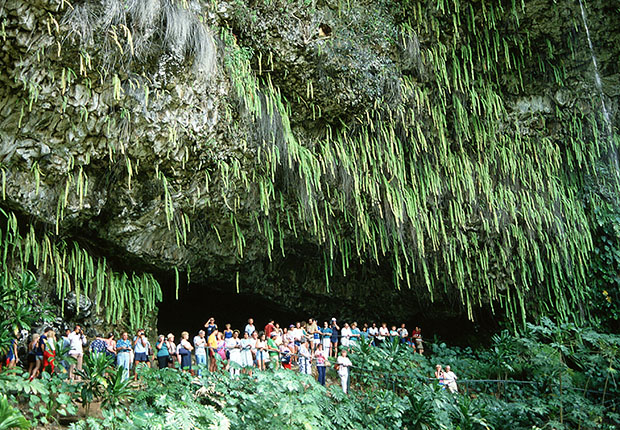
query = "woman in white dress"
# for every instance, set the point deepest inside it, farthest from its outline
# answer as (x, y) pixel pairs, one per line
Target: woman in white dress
(246, 353)
(233, 346)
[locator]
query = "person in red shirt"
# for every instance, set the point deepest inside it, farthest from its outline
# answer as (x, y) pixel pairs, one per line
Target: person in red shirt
(269, 328)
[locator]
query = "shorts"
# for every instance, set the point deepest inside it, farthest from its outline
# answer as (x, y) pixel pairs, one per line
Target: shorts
(141, 356)
(316, 341)
(38, 357)
(163, 361)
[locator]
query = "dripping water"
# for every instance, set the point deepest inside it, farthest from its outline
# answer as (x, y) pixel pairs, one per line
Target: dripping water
(599, 87)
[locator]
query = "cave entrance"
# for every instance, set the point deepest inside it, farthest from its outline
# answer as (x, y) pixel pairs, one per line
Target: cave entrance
(197, 303)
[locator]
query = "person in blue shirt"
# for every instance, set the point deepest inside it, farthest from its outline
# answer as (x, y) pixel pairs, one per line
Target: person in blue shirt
(335, 337)
(210, 326)
(11, 357)
(355, 334)
(327, 334)
(123, 354)
(364, 333)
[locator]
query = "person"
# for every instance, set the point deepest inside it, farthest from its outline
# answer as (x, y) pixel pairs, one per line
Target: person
(417, 337)
(123, 354)
(77, 341)
(35, 356)
(305, 367)
(163, 354)
(210, 326)
(373, 332)
(383, 333)
(439, 375)
(334, 337)
(279, 331)
(297, 334)
(364, 334)
(220, 350)
(262, 357)
(12, 357)
(394, 336)
(285, 356)
(355, 334)
(246, 353)
(343, 370)
(98, 345)
(449, 380)
(141, 347)
(212, 344)
(233, 346)
(184, 352)
(345, 335)
(273, 350)
(228, 333)
(254, 349)
(110, 346)
(200, 351)
(279, 335)
(49, 351)
(403, 333)
(172, 350)
(249, 327)
(322, 361)
(269, 328)
(287, 335)
(66, 343)
(327, 338)
(313, 331)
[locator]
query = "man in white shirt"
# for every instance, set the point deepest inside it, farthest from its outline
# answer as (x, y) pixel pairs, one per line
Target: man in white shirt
(383, 333)
(305, 367)
(345, 335)
(77, 341)
(249, 327)
(449, 380)
(403, 333)
(200, 343)
(343, 370)
(298, 333)
(373, 332)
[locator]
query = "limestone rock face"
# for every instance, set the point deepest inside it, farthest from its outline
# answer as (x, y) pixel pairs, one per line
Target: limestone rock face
(143, 129)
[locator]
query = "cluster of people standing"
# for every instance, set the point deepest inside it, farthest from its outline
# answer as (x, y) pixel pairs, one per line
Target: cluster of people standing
(302, 344)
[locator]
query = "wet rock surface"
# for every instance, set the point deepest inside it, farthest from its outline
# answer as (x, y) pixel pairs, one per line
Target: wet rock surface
(96, 148)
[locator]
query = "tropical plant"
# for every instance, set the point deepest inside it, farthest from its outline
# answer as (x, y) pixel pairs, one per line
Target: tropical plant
(10, 418)
(20, 305)
(47, 398)
(118, 389)
(94, 377)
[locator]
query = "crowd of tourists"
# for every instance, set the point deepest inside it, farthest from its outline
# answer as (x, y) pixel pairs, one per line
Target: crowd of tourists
(303, 346)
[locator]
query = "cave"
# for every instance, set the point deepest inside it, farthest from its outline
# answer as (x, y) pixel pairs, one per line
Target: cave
(196, 303)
